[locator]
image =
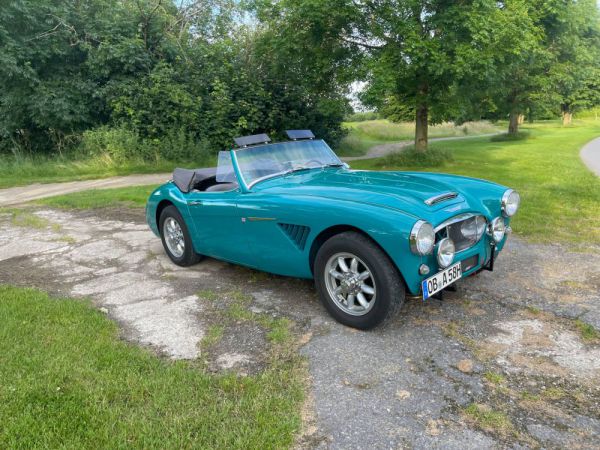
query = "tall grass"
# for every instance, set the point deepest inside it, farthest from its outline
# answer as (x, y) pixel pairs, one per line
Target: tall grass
(387, 131)
(105, 152)
(45, 169)
(365, 134)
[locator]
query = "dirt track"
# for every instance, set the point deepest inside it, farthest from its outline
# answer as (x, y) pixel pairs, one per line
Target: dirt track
(500, 363)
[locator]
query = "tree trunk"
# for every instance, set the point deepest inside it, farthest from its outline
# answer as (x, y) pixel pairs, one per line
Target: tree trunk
(421, 128)
(521, 119)
(567, 114)
(513, 122)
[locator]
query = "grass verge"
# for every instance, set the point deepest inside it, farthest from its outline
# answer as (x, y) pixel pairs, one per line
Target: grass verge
(69, 382)
(560, 198)
(27, 170)
(129, 197)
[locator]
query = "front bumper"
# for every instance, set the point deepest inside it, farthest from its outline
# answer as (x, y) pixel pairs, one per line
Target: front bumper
(474, 259)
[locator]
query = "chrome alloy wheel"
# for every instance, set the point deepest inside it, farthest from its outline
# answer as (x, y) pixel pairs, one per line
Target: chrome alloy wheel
(350, 284)
(174, 237)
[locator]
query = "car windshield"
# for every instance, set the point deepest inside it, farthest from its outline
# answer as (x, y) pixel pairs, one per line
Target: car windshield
(265, 161)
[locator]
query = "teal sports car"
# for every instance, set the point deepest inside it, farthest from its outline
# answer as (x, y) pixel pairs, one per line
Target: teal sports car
(367, 238)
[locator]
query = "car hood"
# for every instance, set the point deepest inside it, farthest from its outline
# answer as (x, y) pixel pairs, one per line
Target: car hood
(404, 191)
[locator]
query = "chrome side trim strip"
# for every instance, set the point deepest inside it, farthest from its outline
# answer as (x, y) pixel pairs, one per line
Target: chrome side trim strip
(440, 198)
(261, 219)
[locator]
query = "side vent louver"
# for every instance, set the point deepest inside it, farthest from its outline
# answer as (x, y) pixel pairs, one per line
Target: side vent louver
(297, 233)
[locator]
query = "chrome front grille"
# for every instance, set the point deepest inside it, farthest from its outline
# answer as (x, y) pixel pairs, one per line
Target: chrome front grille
(464, 230)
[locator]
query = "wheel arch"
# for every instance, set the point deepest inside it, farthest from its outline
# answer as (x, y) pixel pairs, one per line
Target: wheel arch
(160, 208)
(331, 231)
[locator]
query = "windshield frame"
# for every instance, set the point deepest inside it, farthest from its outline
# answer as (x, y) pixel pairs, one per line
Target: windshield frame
(245, 186)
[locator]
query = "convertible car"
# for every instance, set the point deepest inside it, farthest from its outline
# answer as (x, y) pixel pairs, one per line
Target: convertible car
(367, 238)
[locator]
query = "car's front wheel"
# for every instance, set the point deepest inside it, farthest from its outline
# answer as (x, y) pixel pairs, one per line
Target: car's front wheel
(357, 282)
(176, 238)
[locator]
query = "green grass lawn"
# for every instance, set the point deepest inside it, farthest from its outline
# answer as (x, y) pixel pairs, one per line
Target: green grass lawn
(129, 197)
(68, 381)
(560, 198)
(363, 135)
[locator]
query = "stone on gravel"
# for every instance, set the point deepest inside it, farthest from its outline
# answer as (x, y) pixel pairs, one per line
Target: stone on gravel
(465, 365)
(402, 394)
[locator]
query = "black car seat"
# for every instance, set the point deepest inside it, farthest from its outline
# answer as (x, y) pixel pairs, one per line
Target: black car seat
(222, 187)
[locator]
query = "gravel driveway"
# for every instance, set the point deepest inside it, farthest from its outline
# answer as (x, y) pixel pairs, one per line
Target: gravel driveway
(501, 363)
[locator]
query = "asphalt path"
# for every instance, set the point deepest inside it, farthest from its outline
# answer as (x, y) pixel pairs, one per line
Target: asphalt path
(590, 155)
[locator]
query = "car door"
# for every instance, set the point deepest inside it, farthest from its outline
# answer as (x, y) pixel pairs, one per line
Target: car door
(277, 232)
(217, 225)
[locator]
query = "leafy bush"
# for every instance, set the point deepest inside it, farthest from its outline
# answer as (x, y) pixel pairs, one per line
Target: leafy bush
(116, 144)
(505, 137)
(362, 116)
(409, 157)
(121, 144)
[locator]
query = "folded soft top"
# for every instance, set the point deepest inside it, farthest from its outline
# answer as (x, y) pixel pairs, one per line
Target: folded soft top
(186, 179)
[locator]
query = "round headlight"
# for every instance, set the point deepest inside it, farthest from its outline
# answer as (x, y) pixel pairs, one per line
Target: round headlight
(510, 203)
(473, 228)
(422, 238)
(445, 252)
(468, 228)
(497, 229)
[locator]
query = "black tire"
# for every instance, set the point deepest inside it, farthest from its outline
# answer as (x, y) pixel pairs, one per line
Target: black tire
(390, 288)
(189, 256)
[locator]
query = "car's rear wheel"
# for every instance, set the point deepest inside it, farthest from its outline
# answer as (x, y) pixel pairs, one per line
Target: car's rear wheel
(176, 238)
(357, 282)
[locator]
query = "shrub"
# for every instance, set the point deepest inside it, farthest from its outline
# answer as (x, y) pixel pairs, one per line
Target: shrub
(409, 157)
(115, 143)
(362, 116)
(504, 137)
(122, 144)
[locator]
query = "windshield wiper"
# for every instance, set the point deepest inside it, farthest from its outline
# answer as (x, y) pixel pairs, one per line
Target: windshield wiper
(298, 169)
(301, 168)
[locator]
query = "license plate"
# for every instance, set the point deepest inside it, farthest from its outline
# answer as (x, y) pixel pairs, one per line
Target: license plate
(441, 280)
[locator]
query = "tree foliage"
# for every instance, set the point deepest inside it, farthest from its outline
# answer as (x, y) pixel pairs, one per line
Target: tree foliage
(199, 72)
(154, 68)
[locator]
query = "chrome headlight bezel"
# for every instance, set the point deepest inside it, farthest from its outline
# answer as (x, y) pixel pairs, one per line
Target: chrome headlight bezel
(497, 229)
(510, 202)
(421, 230)
(445, 252)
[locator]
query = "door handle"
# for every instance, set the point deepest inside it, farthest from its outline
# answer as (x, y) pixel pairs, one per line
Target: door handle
(195, 203)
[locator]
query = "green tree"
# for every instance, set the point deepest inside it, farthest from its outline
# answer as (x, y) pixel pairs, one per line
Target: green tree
(413, 52)
(416, 50)
(61, 60)
(520, 61)
(200, 71)
(572, 35)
